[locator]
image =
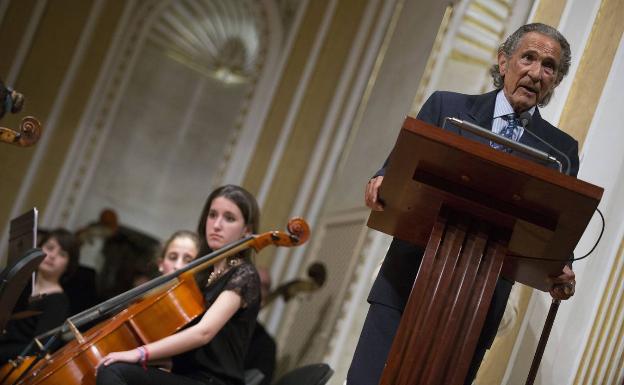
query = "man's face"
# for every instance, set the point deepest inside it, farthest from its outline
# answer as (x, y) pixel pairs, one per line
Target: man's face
(531, 71)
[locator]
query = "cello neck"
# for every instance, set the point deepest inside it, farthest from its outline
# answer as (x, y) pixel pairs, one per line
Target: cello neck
(122, 300)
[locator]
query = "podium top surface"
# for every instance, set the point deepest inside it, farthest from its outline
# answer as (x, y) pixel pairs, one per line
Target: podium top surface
(545, 211)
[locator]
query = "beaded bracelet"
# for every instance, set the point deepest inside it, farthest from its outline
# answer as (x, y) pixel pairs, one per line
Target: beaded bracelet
(146, 357)
(143, 356)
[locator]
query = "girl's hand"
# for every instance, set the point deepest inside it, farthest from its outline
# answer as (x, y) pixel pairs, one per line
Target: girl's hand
(130, 356)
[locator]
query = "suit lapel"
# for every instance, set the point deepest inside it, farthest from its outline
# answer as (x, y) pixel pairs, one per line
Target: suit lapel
(480, 113)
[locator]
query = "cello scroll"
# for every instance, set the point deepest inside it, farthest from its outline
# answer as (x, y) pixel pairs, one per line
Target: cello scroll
(28, 134)
(298, 233)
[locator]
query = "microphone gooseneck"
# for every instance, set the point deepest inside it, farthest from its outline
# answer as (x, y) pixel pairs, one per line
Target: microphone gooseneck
(525, 120)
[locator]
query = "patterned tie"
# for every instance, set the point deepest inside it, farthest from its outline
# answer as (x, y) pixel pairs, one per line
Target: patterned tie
(507, 132)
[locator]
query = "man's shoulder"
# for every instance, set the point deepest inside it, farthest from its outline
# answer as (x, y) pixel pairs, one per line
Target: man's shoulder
(458, 98)
(553, 133)
(451, 96)
(442, 104)
(459, 95)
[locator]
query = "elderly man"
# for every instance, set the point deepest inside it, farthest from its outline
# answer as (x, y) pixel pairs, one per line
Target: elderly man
(531, 63)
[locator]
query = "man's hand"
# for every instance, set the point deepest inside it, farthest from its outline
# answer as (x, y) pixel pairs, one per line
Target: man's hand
(563, 284)
(371, 197)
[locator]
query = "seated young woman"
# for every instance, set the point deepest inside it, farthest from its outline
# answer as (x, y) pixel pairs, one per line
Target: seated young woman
(212, 349)
(48, 306)
(179, 250)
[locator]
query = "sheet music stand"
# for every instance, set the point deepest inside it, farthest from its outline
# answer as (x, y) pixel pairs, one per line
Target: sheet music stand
(22, 261)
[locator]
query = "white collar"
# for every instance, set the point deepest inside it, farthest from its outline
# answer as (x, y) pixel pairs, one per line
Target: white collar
(503, 108)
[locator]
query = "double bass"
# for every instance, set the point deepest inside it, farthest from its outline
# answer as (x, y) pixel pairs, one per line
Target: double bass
(174, 300)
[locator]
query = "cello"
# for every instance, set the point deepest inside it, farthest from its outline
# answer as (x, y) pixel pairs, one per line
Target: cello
(174, 300)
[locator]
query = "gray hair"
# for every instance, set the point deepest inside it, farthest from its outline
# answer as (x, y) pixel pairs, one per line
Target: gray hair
(511, 44)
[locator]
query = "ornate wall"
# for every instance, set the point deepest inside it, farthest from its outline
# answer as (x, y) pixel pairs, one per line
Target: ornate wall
(318, 114)
(146, 105)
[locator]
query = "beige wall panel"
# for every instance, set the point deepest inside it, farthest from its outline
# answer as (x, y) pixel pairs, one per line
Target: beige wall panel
(14, 161)
(283, 97)
(494, 365)
(39, 80)
(77, 99)
(549, 12)
(13, 26)
(314, 108)
(611, 306)
(593, 70)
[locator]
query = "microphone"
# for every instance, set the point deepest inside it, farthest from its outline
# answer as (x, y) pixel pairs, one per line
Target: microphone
(525, 120)
(480, 131)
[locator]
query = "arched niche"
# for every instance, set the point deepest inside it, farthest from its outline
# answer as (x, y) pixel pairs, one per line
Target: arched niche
(177, 105)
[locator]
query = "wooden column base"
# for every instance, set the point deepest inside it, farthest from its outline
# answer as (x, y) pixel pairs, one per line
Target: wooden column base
(450, 298)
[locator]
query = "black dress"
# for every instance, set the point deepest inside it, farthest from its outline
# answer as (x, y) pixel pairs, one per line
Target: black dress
(224, 356)
(51, 311)
(218, 362)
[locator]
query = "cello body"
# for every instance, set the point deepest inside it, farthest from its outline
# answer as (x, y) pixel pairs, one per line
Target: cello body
(158, 315)
(12, 371)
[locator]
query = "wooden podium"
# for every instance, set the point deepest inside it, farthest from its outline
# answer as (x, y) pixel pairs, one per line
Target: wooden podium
(480, 213)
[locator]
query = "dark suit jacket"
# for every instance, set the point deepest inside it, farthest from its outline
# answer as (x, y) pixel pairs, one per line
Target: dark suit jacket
(394, 281)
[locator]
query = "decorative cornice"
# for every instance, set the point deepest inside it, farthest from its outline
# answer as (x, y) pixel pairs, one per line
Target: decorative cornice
(218, 38)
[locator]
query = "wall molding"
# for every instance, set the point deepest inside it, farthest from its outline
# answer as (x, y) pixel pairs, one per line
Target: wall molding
(57, 106)
(337, 125)
(77, 173)
(78, 169)
(289, 123)
(372, 253)
(328, 248)
(26, 42)
(233, 170)
(4, 4)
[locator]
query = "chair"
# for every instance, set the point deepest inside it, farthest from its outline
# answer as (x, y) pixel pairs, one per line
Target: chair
(315, 374)
(253, 377)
